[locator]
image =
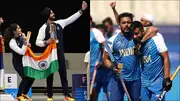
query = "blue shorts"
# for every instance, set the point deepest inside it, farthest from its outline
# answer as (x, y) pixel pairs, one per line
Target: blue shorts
(116, 90)
(102, 79)
(152, 92)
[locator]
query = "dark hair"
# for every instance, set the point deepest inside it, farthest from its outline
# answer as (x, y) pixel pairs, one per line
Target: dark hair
(136, 24)
(125, 14)
(109, 20)
(101, 26)
(8, 33)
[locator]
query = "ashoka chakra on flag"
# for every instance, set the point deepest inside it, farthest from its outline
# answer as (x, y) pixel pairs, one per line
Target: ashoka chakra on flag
(40, 67)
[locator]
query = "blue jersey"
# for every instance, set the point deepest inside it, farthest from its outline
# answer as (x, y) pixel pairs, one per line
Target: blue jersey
(96, 38)
(152, 62)
(123, 51)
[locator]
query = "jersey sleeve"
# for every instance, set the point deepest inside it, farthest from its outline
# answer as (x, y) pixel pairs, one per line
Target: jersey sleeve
(13, 45)
(69, 20)
(159, 41)
(99, 36)
(87, 57)
(40, 37)
(110, 42)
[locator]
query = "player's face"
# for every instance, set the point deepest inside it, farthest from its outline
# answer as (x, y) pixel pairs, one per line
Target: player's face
(138, 34)
(109, 27)
(52, 15)
(18, 31)
(125, 23)
(1, 20)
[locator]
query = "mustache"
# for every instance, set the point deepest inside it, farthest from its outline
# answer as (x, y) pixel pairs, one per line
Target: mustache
(126, 28)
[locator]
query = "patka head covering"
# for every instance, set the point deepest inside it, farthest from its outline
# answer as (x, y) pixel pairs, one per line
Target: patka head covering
(148, 17)
(46, 13)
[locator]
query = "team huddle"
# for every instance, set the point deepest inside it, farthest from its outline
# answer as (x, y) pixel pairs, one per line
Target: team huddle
(132, 60)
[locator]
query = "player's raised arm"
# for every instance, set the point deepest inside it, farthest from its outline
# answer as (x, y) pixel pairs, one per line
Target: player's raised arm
(113, 5)
(73, 17)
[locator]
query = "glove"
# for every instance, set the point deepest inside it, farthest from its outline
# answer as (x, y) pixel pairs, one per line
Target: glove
(167, 84)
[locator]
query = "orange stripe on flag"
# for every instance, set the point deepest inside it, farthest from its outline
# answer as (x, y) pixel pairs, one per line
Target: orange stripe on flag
(43, 56)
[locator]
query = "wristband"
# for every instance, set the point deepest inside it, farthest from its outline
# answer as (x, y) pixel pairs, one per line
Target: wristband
(113, 8)
(81, 11)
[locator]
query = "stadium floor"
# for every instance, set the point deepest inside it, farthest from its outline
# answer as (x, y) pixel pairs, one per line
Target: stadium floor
(35, 97)
(42, 97)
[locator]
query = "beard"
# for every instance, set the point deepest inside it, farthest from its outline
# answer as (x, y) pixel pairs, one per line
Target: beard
(52, 18)
(126, 29)
(136, 41)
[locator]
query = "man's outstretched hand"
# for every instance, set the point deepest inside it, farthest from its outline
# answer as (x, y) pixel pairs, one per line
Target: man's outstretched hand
(84, 5)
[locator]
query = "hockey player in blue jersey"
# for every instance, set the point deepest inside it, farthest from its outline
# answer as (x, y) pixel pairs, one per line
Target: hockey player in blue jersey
(155, 74)
(96, 48)
(122, 48)
(111, 29)
(122, 45)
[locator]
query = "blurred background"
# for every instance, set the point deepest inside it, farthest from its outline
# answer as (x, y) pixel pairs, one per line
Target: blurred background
(167, 18)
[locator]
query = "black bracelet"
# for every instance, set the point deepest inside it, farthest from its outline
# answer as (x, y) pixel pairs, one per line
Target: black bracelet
(81, 11)
(113, 8)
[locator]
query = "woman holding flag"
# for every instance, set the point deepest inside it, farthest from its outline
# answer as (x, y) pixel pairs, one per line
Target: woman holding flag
(18, 44)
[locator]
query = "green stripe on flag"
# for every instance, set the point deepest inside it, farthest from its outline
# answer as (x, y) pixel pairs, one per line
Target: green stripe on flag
(41, 74)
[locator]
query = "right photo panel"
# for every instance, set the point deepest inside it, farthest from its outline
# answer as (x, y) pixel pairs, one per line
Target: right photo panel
(134, 50)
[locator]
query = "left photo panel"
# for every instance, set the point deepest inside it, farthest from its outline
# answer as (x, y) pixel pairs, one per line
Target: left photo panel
(44, 50)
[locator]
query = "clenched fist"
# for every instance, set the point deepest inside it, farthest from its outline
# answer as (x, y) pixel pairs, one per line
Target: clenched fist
(84, 5)
(113, 4)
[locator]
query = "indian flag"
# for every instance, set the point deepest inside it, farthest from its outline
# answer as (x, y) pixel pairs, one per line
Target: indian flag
(40, 67)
